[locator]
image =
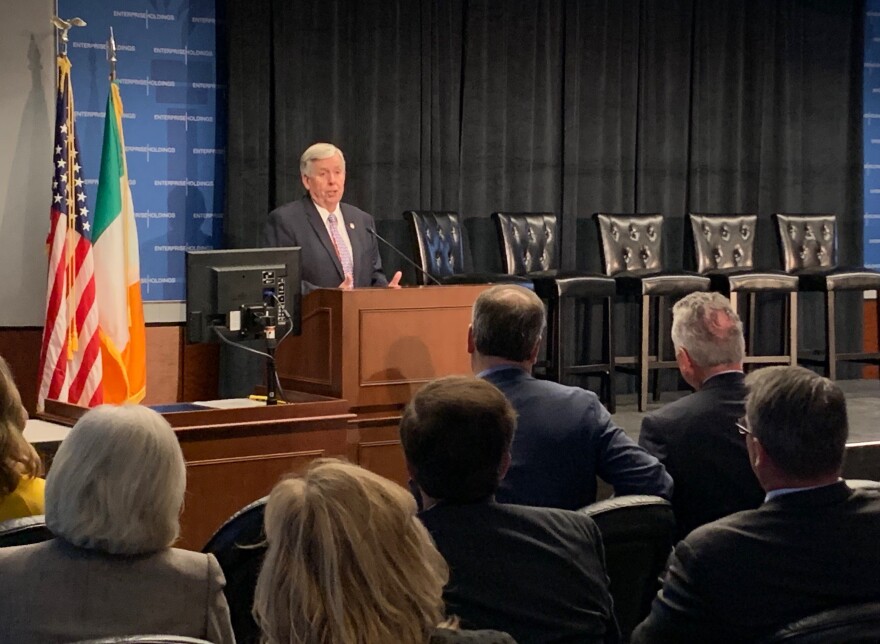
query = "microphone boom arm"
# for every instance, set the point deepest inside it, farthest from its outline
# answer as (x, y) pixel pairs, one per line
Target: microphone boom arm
(405, 258)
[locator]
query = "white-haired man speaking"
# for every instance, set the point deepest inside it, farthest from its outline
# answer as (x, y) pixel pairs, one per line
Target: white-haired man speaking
(338, 249)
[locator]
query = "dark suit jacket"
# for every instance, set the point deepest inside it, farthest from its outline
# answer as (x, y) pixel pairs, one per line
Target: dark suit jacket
(565, 438)
(53, 592)
(696, 439)
(298, 223)
(746, 576)
(536, 573)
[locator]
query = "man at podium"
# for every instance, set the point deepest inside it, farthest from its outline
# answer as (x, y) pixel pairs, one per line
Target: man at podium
(338, 249)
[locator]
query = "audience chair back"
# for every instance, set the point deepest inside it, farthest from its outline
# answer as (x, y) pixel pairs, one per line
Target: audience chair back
(147, 639)
(528, 241)
(856, 624)
(638, 532)
(807, 241)
(439, 243)
(239, 546)
(24, 531)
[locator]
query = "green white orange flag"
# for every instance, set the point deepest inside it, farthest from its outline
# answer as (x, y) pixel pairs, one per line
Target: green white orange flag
(117, 269)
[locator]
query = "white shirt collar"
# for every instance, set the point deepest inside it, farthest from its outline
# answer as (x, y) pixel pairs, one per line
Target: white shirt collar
(325, 214)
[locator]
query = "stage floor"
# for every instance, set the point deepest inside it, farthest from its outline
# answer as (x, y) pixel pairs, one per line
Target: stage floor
(862, 403)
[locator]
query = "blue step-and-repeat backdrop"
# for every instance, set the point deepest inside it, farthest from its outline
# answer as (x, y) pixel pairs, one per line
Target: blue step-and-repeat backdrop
(174, 123)
(871, 133)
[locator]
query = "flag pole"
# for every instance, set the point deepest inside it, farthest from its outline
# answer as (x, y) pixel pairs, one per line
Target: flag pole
(111, 56)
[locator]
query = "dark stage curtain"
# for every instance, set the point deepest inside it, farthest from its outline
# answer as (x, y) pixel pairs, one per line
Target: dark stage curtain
(570, 106)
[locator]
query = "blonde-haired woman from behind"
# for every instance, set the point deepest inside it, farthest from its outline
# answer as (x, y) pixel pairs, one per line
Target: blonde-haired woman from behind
(349, 561)
(21, 488)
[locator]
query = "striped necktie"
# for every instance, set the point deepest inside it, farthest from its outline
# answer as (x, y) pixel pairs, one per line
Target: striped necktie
(341, 247)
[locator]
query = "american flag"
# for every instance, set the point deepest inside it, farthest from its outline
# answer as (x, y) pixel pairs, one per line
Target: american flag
(70, 358)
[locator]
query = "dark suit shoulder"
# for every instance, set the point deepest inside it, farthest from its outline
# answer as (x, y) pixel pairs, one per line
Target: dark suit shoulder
(697, 408)
(698, 402)
(516, 383)
(297, 207)
(349, 210)
(565, 525)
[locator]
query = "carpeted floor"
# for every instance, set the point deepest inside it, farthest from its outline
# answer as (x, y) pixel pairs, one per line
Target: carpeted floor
(862, 399)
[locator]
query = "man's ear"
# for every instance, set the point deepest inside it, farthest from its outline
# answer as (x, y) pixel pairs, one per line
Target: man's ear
(683, 358)
(533, 356)
(759, 454)
(410, 470)
(470, 341)
(504, 466)
(305, 180)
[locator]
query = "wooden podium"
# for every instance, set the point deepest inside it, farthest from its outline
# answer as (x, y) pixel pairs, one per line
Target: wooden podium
(375, 347)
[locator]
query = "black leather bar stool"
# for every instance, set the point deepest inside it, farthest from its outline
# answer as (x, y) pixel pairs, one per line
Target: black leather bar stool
(809, 250)
(631, 254)
(529, 248)
(441, 252)
(724, 249)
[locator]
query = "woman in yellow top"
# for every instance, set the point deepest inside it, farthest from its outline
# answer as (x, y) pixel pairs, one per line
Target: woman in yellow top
(21, 488)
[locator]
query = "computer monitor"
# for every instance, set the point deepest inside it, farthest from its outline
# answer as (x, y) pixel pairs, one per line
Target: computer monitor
(242, 293)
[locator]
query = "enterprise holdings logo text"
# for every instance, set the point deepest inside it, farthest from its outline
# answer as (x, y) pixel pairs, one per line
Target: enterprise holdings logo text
(145, 16)
(186, 118)
(101, 45)
(186, 52)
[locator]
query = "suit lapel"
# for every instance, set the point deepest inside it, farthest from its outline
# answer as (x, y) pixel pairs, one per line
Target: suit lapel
(354, 236)
(321, 231)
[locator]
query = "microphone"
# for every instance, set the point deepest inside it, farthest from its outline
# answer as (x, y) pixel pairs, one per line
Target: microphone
(403, 255)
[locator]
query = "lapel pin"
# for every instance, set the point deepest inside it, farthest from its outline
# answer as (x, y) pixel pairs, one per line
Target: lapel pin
(351, 226)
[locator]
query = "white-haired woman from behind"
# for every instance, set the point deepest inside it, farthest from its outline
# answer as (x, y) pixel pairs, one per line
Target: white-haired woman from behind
(348, 561)
(113, 500)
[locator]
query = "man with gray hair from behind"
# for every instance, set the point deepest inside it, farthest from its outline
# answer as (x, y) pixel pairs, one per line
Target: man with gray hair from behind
(695, 437)
(811, 546)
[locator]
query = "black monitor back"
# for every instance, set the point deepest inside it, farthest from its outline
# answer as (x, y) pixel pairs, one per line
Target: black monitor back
(220, 283)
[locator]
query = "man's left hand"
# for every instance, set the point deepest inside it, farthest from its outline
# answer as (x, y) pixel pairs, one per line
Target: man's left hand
(395, 281)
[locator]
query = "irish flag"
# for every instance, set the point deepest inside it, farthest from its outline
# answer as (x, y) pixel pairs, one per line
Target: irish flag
(117, 269)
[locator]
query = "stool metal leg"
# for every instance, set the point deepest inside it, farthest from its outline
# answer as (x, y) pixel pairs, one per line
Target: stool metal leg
(645, 332)
(608, 358)
(661, 344)
(792, 328)
(555, 346)
(830, 338)
(753, 308)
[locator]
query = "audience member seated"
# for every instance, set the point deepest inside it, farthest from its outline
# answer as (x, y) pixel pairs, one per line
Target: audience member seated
(695, 437)
(21, 488)
(565, 437)
(812, 545)
(536, 573)
(348, 561)
(113, 498)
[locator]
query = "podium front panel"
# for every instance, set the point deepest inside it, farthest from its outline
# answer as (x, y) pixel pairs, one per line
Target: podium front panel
(376, 347)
